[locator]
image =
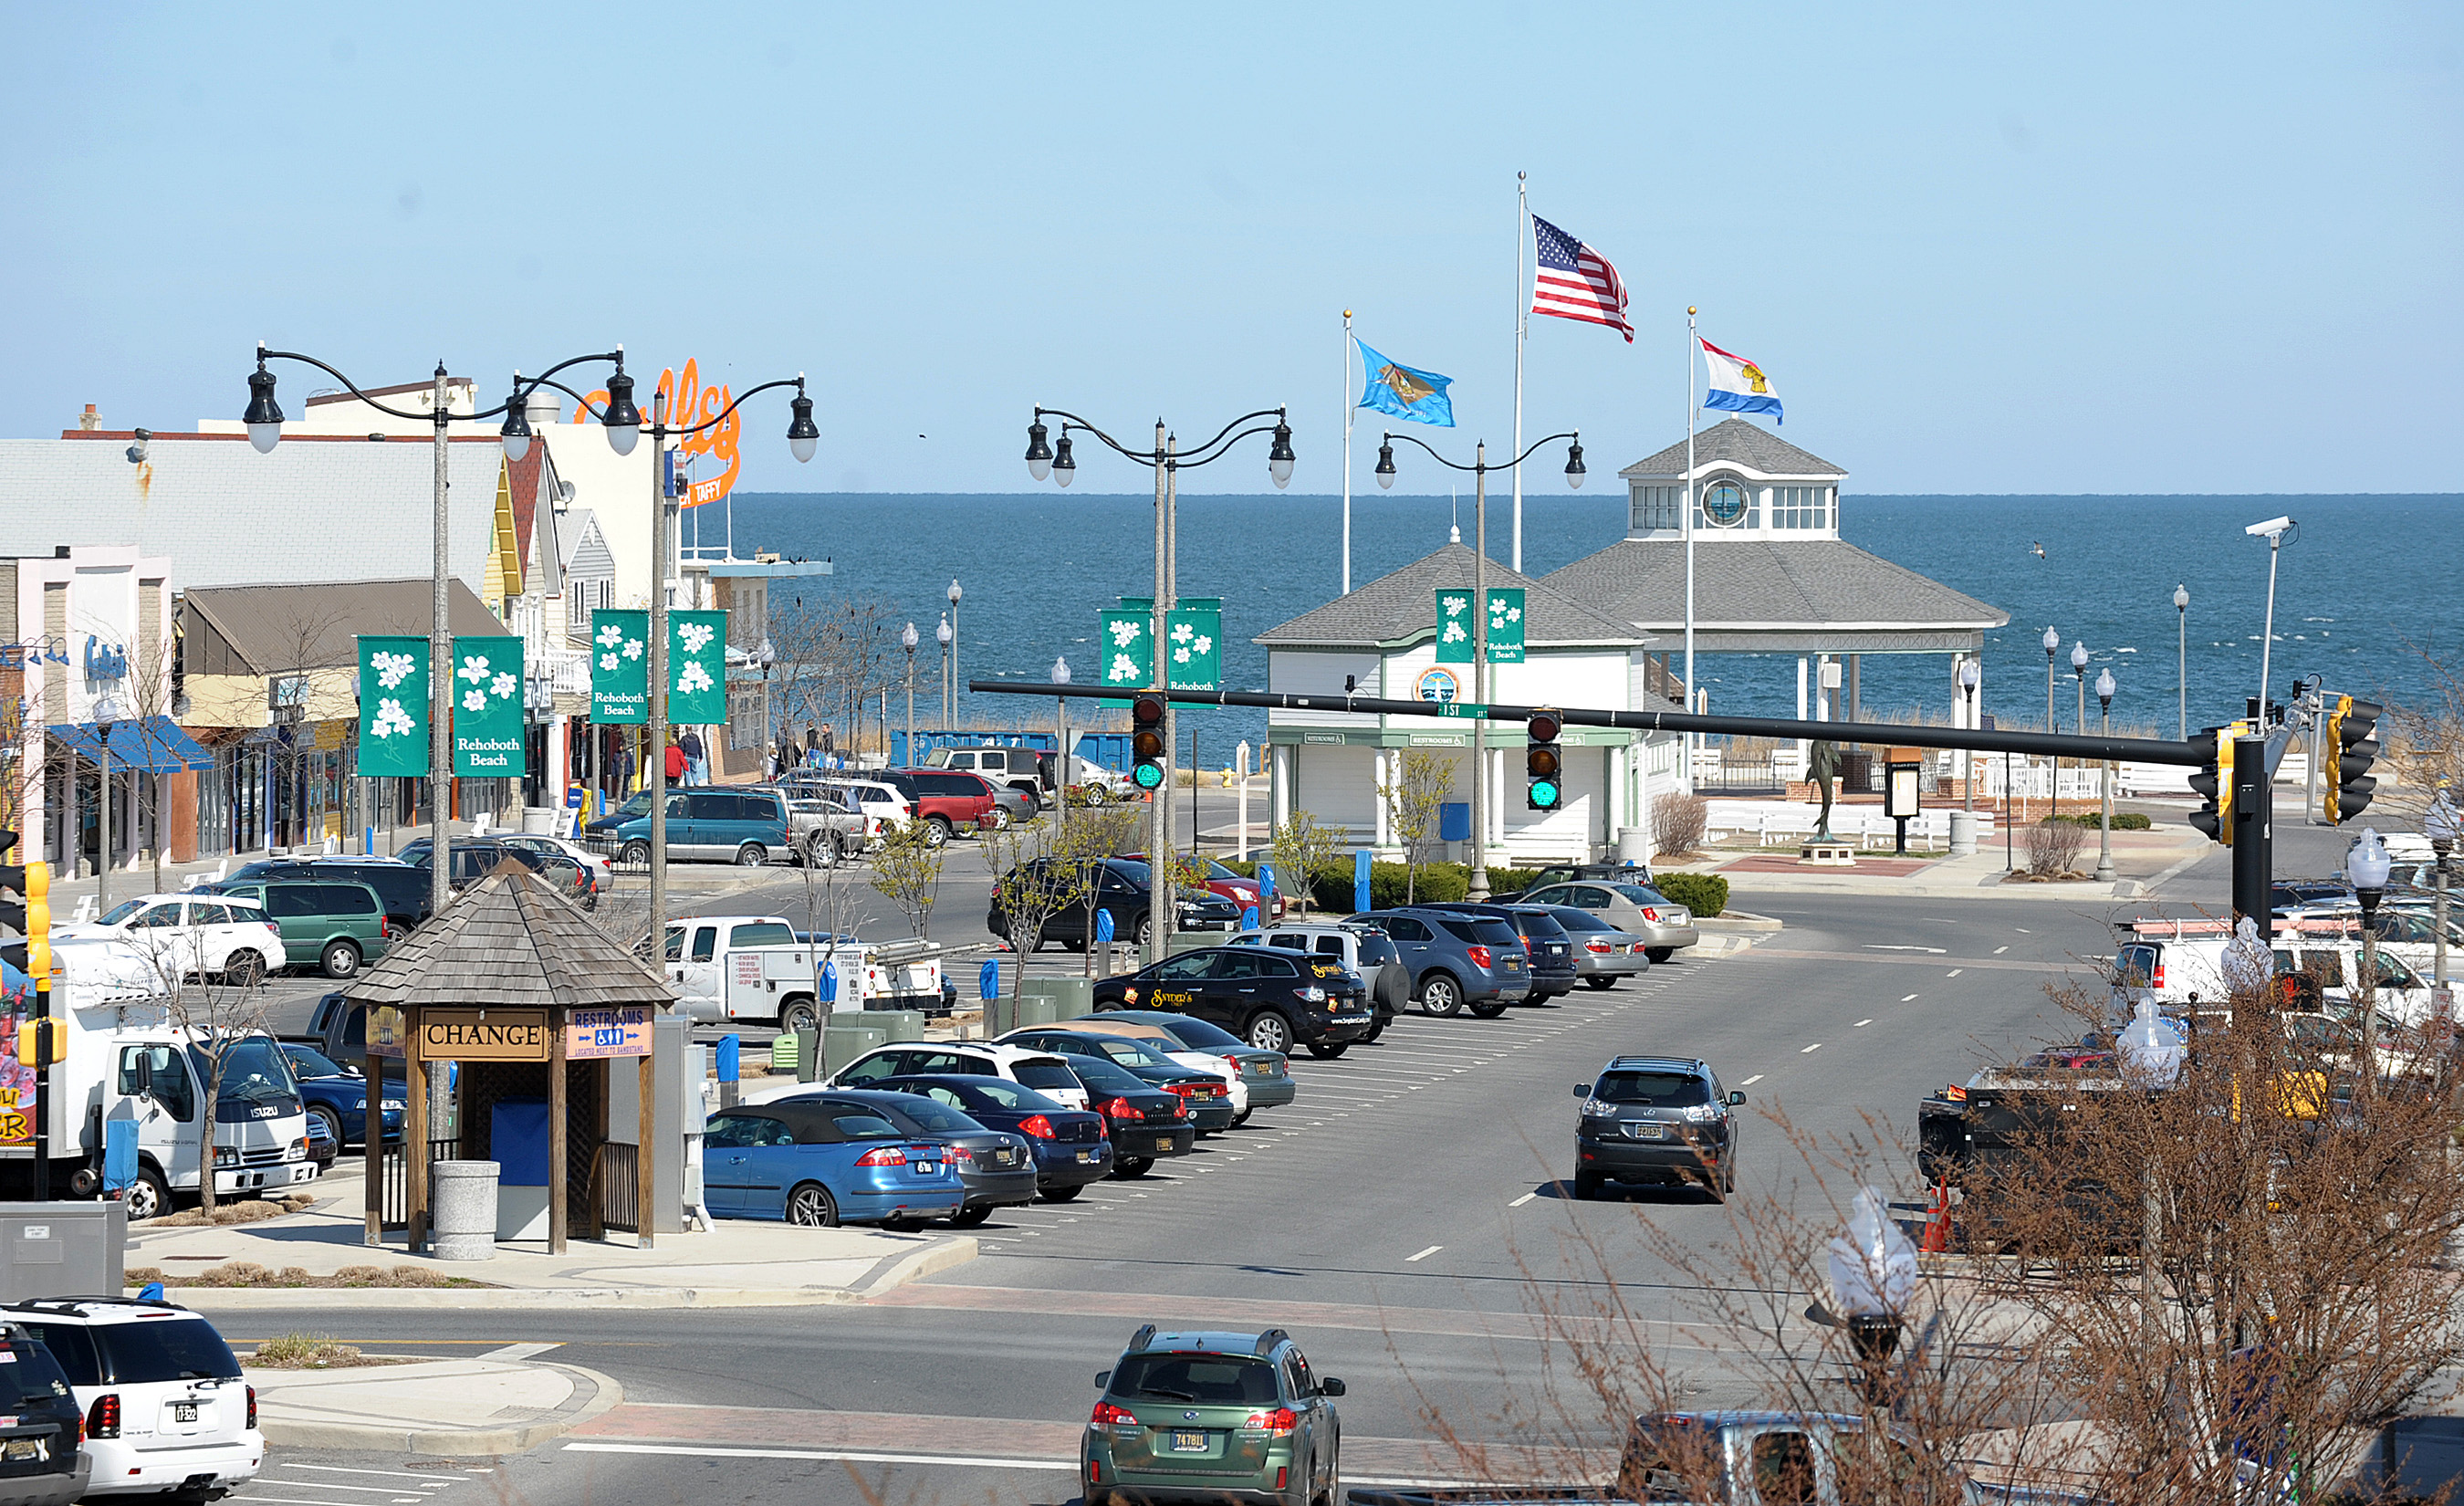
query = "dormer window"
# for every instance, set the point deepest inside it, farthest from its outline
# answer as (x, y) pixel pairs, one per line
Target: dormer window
(1801, 507)
(1728, 502)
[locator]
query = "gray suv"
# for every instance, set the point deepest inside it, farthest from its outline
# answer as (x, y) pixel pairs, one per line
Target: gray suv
(1457, 960)
(1655, 1119)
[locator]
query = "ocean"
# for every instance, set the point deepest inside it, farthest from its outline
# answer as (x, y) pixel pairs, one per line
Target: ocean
(2366, 586)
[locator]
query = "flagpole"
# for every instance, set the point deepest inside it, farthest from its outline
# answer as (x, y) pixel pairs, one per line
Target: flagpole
(1692, 342)
(1347, 452)
(1521, 323)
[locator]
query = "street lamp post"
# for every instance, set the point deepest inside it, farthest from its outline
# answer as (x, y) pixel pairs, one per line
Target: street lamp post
(1061, 752)
(953, 641)
(2442, 824)
(2053, 642)
(2182, 662)
(106, 713)
(908, 639)
(1166, 460)
(942, 636)
(2272, 531)
(2367, 866)
(1480, 469)
(2105, 688)
(2079, 673)
(1969, 676)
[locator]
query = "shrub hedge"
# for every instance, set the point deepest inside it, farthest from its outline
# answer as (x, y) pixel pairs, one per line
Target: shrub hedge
(2123, 821)
(1704, 893)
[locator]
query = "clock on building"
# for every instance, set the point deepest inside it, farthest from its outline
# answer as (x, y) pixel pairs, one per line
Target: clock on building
(1724, 503)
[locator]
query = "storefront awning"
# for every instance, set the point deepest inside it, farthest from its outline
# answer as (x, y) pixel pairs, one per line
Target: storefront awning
(154, 744)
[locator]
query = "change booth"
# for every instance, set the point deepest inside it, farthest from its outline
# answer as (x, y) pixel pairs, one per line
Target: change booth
(549, 1026)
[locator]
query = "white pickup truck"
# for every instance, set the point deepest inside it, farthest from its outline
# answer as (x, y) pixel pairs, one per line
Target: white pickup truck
(758, 967)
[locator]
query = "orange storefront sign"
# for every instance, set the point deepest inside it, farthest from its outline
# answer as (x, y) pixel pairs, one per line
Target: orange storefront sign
(689, 403)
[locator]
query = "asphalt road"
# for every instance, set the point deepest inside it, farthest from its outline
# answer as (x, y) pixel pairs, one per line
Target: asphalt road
(1402, 1219)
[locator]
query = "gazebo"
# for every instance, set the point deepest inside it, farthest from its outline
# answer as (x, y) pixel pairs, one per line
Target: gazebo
(539, 1006)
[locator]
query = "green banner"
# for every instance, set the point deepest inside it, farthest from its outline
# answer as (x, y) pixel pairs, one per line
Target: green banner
(1505, 625)
(696, 668)
(620, 666)
(393, 707)
(1123, 649)
(488, 708)
(1194, 645)
(1454, 626)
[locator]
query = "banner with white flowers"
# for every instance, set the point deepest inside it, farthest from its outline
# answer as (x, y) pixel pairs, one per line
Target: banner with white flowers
(620, 666)
(696, 668)
(393, 707)
(488, 742)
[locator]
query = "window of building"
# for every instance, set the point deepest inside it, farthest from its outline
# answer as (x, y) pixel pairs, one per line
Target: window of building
(1800, 507)
(1659, 507)
(1728, 501)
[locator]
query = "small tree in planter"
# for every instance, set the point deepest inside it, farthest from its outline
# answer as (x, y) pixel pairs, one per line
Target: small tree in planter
(1300, 849)
(908, 869)
(1413, 803)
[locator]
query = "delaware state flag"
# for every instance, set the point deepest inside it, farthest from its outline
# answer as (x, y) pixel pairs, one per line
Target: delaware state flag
(1737, 384)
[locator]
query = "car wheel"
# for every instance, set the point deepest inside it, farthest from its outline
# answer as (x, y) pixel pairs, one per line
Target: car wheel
(1328, 1052)
(147, 1197)
(812, 1207)
(342, 959)
(1586, 1185)
(1241, 1118)
(244, 969)
(1602, 982)
(799, 1013)
(1145, 931)
(1441, 994)
(821, 851)
(936, 830)
(999, 820)
(1133, 1166)
(1489, 1010)
(1068, 945)
(970, 1218)
(1062, 1194)
(752, 854)
(635, 852)
(1376, 1028)
(1660, 954)
(1333, 1494)
(1269, 1031)
(323, 1114)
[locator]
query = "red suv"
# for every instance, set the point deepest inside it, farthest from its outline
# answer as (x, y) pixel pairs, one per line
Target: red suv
(1230, 885)
(949, 800)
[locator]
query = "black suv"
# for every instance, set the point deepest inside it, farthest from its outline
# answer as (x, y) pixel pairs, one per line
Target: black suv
(1262, 995)
(43, 1465)
(1122, 887)
(1659, 1118)
(401, 888)
(1551, 950)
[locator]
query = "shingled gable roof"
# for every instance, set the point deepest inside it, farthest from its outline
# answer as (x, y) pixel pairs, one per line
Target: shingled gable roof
(1401, 609)
(1738, 443)
(509, 941)
(1763, 584)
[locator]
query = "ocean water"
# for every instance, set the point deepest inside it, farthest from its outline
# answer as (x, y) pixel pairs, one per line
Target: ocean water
(2366, 588)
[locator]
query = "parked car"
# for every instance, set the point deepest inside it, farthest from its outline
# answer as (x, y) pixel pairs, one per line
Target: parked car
(1365, 949)
(1240, 890)
(1261, 1080)
(1214, 1416)
(1603, 954)
(322, 1147)
(1742, 1458)
(330, 924)
(1019, 768)
(1544, 943)
(950, 801)
(1665, 927)
(167, 1412)
(1041, 1071)
(994, 1166)
(40, 1461)
(1266, 998)
(1580, 872)
(181, 936)
(822, 1164)
(1147, 1123)
(1658, 1118)
(883, 803)
(338, 1096)
(1011, 806)
(1120, 887)
(1070, 1145)
(826, 824)
(402, 888)
(602, 873)
(1207, 1090)
(742, 826)
(1457, 960)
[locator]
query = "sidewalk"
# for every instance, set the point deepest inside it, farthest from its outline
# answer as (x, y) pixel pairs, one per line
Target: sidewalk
(459, 1408)
(2140, 860)
(740, 1263)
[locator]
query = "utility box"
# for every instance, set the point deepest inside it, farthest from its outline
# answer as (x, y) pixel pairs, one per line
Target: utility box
(62, 1249)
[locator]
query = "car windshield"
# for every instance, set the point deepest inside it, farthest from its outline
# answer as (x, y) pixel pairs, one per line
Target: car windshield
(121, 912)
(1376, 949)
(1660, 1089)
(1219, 1379)
(165, 1349)
(1220, 874)
(1574, 920)
(1047, 1072)
(1131, 871)
(253, 1069)
(1641, 896)
(307, 1061)
(1102, 1076)
(937, 1119)
(32, 1375)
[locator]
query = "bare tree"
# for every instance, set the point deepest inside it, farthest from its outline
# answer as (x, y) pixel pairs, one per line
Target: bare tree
(1413, 800)
(908, 870)
(211, 1015)
(1300, 848)
(833, 657)
(1038, 872)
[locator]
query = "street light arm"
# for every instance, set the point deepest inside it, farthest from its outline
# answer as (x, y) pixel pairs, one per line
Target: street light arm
(1145, 457)
(1184, 462)
(1192, 457)
(1197, 454)
(1390, 436)
(797, 383)
(264, 355)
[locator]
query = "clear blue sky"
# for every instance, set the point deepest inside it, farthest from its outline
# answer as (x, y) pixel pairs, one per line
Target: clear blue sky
(2125, 248)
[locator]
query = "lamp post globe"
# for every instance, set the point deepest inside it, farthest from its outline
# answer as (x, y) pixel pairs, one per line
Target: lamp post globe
(1060, 672)
(908, 638)
(515, 431)
(2053, 641)
(941, 633)
(802, 437)
(264, 416)
(1386, 466)
(955, 594)
(1574, 471)
(1279, 456)
(2181, 598)
(2104, 688)
(2078, 658)
(1064, 465)
(622, 420)
(1039, 455)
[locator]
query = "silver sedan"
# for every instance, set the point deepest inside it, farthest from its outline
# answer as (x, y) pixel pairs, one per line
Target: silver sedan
(1603, 954)
(1664, 924)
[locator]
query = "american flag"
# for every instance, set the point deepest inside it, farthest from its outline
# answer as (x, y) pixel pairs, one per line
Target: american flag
(1572, 280)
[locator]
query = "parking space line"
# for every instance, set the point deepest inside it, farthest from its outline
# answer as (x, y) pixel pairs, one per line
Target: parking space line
(1860, 1025)
(1525, 1197)
(1954, 972)
(827, 1456)
(1750, 1081)
(1423, 1255)
(391, 1475)
(1999, 950)
(1815, 1047)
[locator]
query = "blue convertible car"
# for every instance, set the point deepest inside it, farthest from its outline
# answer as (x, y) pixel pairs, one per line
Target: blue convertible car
(824, 1164)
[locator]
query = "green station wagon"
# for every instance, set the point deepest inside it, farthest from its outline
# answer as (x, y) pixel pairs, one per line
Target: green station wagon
(332, 926)
(1213, 1417)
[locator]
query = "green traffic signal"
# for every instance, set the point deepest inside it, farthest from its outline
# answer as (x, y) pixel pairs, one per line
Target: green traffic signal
(1544, 794)
(1147, 776)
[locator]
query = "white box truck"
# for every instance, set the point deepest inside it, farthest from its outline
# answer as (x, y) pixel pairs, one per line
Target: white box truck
(757, 968)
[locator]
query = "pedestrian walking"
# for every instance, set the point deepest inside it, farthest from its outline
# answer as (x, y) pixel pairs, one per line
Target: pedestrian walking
(624, 770)
(675, 764)
(812, 747)
(829, 747)
(696, 769)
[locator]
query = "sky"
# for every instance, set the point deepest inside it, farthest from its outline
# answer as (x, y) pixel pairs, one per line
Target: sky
(2089, 248)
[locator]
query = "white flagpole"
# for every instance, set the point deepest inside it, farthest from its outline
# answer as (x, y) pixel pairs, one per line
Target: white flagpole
(1692, 346)
(1347, 452)
(1521, 323)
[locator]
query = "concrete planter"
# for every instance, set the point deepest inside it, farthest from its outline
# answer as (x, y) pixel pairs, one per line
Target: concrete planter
(465, 1203)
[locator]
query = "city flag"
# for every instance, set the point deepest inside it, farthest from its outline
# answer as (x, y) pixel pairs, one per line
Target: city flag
(1404, 391)
(1572, 280)
(1737, 384)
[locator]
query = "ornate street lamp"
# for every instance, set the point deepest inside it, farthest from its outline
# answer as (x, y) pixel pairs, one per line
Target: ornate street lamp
(2104, 688)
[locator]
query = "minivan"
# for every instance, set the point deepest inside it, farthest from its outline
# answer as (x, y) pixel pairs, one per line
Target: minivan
(401, 888)
(738, 825)
(333, 926)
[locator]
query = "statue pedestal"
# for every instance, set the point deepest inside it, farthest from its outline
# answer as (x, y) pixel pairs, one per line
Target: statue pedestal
(1827, 854)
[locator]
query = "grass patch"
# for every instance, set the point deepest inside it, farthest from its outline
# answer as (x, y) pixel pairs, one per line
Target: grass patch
(248, 1275)
(312, 1352)
(248, 1210)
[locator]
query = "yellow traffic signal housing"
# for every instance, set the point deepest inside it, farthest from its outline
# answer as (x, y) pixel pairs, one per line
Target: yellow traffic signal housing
(2213, 785)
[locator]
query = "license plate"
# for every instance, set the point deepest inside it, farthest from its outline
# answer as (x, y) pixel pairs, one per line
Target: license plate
(1646, 1132)
(1513, 967)
(1163, 1143)
(184, 1412)
(1086, 1158)
(930, 1168)
(24, 1449)
(1187, 1443)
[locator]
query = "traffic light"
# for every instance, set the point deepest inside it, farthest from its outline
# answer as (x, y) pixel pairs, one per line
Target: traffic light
(2213, 785)
(36, 880)
(1146, 741)
(1543, 765)
(42, 1042)
(2350, 751)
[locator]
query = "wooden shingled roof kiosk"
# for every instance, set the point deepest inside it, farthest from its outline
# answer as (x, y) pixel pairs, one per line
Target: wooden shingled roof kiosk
(534, 1002)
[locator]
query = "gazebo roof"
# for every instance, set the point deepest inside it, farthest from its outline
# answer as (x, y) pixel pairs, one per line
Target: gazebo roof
(1735, 442)
(509, 941)
(1401, 609)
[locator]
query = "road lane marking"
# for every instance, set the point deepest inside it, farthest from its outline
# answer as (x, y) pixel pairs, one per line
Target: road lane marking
(827, 1456)
(391, 1475)
(1894, 947)
(1525, 1197)
(513, 1352)
(1910, 999)
(293, 1500)
(1999, 950)
(362, 1490)
(1750, 1081)
(1810, 1050)
(1954, 972)
(1423, 1255)
(1860, 1025)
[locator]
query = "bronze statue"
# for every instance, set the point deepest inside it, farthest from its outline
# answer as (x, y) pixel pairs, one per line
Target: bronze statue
(1822, 762)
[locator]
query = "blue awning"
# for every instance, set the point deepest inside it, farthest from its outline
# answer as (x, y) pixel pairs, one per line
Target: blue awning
(154, 745)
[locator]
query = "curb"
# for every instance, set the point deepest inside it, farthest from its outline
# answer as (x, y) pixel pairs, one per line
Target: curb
(605, 1394)
(1739, 921)
(891, 1272)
